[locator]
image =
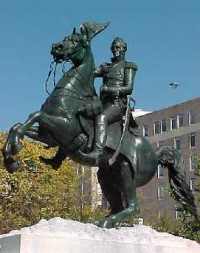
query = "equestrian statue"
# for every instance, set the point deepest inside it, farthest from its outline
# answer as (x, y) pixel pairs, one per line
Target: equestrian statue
(98, 130)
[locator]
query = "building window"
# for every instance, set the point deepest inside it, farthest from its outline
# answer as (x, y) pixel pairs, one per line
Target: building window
(178, 213)
(99, 192)
(180, 120)
(140, 221)
(160, 171)
(163, 125)
(192, 181)
(177, 144)
(192, 140)
(173, 123)
(145, 131)
(157, 127)
(99, 195)
(193, 162)
(191, 119)
(161, 192)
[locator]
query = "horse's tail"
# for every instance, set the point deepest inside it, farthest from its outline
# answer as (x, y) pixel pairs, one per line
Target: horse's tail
(170, 158)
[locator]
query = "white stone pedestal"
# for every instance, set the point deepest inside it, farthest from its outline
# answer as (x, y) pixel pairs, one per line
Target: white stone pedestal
(61, 236)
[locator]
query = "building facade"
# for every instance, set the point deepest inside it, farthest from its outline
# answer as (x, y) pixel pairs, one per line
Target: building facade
(177, 126)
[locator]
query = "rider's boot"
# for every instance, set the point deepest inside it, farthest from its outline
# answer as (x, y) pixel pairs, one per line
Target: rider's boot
(100, 139)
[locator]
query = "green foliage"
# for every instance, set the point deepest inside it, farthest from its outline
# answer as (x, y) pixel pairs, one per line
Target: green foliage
(189, 228)
(165, 224)
(185, 227)
(89, 214)
(37, 191)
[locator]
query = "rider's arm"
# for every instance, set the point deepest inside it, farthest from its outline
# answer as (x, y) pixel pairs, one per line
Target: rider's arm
(101, 70)
(129, 75)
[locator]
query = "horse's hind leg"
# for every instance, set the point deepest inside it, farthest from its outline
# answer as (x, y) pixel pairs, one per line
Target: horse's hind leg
(129, 190)
(112, 193)
(129, 193)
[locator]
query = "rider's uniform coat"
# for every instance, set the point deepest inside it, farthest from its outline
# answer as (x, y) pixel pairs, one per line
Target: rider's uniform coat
(118, 80)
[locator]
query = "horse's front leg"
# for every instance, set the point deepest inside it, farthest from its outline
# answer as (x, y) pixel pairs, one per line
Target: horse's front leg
(129, 193)
(13, 142)
(56, 161)
(33, 118)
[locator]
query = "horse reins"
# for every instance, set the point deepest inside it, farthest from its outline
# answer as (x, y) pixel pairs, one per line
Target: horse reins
(51, 69)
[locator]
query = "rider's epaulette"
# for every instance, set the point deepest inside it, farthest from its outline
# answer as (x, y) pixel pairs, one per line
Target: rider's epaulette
(131, 65)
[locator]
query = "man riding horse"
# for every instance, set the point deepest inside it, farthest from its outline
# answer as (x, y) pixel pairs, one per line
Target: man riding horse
(118, 79)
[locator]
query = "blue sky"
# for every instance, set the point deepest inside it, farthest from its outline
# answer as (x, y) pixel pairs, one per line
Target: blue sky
(163, 39)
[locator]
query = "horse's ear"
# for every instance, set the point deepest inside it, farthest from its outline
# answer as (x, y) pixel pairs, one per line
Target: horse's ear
(84, 34)
(74, 30)
(82, 30)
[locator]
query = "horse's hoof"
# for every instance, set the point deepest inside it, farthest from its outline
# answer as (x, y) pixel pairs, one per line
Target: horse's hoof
(108, 223)
(105, 223)
(100, 223)
(12, 166)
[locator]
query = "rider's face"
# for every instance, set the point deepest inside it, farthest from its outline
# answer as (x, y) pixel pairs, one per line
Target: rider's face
(117, 49)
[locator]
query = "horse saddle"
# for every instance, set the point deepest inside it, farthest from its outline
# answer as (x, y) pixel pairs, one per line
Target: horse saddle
(114, 134)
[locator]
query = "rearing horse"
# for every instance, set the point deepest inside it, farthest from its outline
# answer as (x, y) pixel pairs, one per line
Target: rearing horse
(60, 123)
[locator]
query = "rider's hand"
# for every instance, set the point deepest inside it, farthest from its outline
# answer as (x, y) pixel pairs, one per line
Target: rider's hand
(104, 89)
(104, 68)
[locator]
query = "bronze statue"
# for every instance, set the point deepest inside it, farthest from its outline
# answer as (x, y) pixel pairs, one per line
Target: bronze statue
(67, 120)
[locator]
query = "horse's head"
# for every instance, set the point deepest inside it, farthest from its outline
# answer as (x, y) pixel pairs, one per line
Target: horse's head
(75, 46)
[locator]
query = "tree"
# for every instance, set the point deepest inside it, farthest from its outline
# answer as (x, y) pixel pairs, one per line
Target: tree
(35, 191)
